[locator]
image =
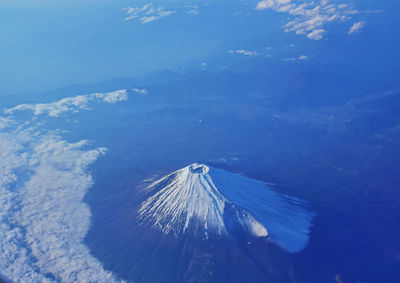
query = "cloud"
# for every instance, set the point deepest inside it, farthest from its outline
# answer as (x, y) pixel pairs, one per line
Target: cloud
(43, 220)
(112, 97)
(53, 213)
(299, 58)
(356, 27)
(43, 180)
(243, 52)
(316, 34)
(193, 10)
(73, 104)
(309, 18)
(140, 90)
(147, 13)
(4, 122)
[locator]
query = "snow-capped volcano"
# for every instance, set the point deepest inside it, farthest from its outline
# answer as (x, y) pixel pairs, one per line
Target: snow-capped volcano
(208, 201)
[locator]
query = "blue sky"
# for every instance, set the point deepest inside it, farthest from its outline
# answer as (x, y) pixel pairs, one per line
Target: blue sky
(47, 44)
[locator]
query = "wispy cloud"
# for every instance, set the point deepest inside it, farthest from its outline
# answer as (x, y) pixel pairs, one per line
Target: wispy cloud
(4, 122)
(193, 10)
(243, 52)
(302, 57)
(73, 104)
(309, 18)
(299, 58)
(356, 27)
(147, 13)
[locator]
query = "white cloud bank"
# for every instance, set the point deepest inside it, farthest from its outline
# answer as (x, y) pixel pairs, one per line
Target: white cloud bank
(43, 180)
(309, 18)
(43, 220)
(73, 104)
(147, 13)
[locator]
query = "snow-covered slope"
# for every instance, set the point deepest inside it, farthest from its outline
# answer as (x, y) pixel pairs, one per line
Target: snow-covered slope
(201, 200)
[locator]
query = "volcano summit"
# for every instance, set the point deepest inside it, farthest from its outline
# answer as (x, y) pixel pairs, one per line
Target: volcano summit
(205, 201)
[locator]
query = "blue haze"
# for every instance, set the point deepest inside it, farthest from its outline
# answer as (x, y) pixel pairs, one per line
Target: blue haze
(325, 129)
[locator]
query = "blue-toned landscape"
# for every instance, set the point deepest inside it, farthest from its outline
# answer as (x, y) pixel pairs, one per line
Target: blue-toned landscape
(200, 141)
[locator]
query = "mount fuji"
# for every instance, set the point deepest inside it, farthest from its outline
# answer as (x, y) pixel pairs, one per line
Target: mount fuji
(209, 202)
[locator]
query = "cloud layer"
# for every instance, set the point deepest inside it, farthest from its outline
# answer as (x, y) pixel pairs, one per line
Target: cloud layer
(43, 219)
(43, 180)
